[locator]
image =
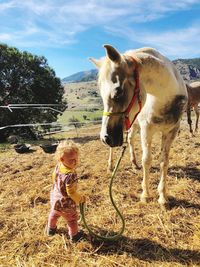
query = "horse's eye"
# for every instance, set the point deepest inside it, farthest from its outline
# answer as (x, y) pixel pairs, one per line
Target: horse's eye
(118, 93)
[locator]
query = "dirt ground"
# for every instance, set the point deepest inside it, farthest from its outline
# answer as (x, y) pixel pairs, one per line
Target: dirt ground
(152, 236)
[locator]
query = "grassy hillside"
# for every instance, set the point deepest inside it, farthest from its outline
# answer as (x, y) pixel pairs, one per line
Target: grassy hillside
(82, 116)
(84, 102)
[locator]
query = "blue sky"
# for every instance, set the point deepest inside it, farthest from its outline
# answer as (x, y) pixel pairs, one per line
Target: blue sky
(67, 32)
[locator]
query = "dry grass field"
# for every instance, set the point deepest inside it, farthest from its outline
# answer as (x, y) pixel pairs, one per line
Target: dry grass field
(82, 93)
(152, 237)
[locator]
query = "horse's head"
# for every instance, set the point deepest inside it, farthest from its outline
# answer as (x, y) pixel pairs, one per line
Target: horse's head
(118, 85)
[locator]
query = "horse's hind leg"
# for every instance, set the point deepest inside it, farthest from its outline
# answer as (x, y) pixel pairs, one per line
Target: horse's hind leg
(196, 110)
(189, 118)
(167, 140)
(146, 140)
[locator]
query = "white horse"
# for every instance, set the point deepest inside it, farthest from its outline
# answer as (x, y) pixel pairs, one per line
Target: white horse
(145, 83)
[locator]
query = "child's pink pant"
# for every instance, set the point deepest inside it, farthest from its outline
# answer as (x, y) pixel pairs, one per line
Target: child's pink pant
(70, 217)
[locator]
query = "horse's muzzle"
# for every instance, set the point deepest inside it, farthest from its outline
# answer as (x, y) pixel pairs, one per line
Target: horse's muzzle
(113, 139)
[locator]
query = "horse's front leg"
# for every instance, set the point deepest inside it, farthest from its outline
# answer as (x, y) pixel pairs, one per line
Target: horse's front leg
(189, 118)
(146, 140)
(196, 110)
(131, 149)
(167, 140)
(110, 160)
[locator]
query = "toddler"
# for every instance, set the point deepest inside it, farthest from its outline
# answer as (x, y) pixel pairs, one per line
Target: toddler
(64, 195)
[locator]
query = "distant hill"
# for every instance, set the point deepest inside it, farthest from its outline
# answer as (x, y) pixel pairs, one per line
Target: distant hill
(189, 69)
(82, 76)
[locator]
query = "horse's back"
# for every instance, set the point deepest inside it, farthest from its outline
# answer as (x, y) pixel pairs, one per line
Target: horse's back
(161, 64)
(167, 97)
(195, 85)
(148, 51)
(193, 92)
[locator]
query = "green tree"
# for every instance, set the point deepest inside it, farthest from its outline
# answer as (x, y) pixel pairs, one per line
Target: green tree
(27, 79)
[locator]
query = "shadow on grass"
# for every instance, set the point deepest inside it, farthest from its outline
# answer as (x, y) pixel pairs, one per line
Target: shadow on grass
(189, 171)
(143, 249)
(85, 139)
(150, 251)
(26, 152)
(174, 202)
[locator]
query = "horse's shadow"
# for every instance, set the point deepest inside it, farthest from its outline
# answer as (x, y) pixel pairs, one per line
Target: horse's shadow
(190, 171)
(174, 202)
(148, 250)
(143, 249)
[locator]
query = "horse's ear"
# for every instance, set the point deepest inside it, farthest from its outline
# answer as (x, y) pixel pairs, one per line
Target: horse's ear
(96, 62)
(112, 53)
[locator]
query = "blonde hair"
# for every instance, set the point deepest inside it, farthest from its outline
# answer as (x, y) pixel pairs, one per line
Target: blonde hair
(66, 146)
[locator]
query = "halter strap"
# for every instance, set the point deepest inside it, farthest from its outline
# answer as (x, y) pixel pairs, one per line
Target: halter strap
(136, 95)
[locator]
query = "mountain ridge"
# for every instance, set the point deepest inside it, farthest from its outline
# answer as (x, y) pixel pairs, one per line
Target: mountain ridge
(188, 68)
(81, 76)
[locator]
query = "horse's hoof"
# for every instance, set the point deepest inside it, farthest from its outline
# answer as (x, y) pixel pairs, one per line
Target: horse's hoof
(136, 166)
(109, 170)
(144, 200)
(164, 204)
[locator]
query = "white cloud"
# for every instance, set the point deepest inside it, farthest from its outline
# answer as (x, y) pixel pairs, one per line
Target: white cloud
(175, 43)
(5, 37)
(58, 22)
(178, 43)
(6, 5)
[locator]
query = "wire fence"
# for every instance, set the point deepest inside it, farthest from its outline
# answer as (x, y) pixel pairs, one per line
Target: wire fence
(53, 124)
(76, 128)
(10, 107)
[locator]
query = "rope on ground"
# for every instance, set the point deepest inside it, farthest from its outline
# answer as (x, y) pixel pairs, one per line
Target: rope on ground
(82, 210)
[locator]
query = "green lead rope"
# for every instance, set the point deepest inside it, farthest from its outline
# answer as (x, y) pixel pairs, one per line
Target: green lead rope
(82, 210)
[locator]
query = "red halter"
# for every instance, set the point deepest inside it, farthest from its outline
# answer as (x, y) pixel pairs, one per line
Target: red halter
(135, 97)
